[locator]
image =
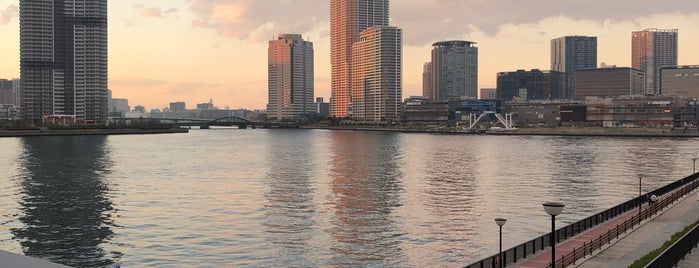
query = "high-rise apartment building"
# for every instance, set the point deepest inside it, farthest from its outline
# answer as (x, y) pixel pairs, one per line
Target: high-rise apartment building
(63, 58)
(348, 18)
(427, 90)
(571, 53)
(290, 77)
(377, 77)
(652, 49)
(454, 70)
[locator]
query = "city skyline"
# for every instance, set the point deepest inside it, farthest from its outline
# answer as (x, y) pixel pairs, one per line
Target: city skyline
(191, 51)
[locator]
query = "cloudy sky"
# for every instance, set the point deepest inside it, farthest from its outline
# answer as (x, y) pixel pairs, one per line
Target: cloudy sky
(195, 50)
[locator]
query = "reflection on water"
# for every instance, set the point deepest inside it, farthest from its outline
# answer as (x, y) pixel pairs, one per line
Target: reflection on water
(309, 198)
(65, 209)
(366, 184)
(290, 209)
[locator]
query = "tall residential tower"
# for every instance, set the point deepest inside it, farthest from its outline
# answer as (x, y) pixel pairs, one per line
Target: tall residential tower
(63, 59)
(571, 53)
(290, 77)
(652, 49)
(348, 18)
(454, 70)
(377, 77)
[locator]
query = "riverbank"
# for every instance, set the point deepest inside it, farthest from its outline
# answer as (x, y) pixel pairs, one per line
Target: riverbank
(599, 131)
(560, 131)
(88, 131)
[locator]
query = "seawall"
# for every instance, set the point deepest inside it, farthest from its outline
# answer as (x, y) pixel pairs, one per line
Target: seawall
(88, 131)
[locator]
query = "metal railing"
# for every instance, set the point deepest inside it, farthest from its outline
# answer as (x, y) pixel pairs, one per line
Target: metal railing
(676, 252)
(676, 190)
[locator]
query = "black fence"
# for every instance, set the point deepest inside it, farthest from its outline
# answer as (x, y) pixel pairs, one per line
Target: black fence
(672, 255)
(675, 190)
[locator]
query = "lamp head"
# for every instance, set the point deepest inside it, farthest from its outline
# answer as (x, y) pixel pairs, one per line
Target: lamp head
(500, 221)
(553, 208)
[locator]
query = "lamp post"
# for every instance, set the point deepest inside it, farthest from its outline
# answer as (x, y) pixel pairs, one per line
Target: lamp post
(501, 222)
(640, 200)
(553, 209)
(694, 165)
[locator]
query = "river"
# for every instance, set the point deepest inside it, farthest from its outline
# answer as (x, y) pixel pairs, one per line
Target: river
(309, 198)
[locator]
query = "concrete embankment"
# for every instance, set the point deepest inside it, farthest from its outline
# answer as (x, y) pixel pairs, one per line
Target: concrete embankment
(90, 131)
(563, 131)
(615, 132)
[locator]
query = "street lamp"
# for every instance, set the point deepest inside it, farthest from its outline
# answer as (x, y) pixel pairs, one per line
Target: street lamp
(553, 209)
(501, 222)
(694, 165)
(640, 200)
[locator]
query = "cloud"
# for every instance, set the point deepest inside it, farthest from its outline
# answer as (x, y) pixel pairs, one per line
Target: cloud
(141, 11)
(423, 21)
(8, 13)
(255, 20)
(454, 18)
(154, 12)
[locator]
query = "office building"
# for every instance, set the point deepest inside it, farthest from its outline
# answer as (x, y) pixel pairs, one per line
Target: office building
(530, 85)
(377, 77)
(680, 81)
(322, 107)
(348, 18)
(652, 49)
(609, 82)
(427, 89)
(178, 106)
(488, 93)
(571, 53)
(120, 106)
(454, 70)
(7, 96)
(290, 77)
(63, 59)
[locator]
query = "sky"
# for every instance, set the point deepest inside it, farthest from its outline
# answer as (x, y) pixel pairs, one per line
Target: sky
(162, 51)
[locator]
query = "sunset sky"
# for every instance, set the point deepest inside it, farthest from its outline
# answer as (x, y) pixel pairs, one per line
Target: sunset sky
(162, 51)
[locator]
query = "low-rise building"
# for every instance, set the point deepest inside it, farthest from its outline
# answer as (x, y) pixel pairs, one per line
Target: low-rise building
(613, 81)
(531, 85)
(680, 81)
(633, 111)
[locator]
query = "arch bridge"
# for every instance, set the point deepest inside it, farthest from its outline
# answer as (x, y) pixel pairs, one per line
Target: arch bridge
(230, 121)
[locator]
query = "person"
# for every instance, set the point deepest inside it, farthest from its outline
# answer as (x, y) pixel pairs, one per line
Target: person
(698, 197)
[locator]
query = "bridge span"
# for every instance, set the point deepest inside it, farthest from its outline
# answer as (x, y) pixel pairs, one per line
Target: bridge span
(228, 121)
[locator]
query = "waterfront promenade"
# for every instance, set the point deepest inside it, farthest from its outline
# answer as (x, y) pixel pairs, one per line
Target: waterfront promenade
(631, 245)
(11, 260)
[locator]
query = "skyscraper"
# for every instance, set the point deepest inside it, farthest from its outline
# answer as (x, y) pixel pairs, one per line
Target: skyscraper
(377, 77)
(348, 18)
(63, 58)
(454, 70)
(427, 90)
(571, 53)
(652, 49)
(290, 77)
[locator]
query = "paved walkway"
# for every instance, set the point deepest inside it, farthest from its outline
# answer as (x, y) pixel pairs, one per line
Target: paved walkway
(630, 246)
(649, 236)
(11, 260)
